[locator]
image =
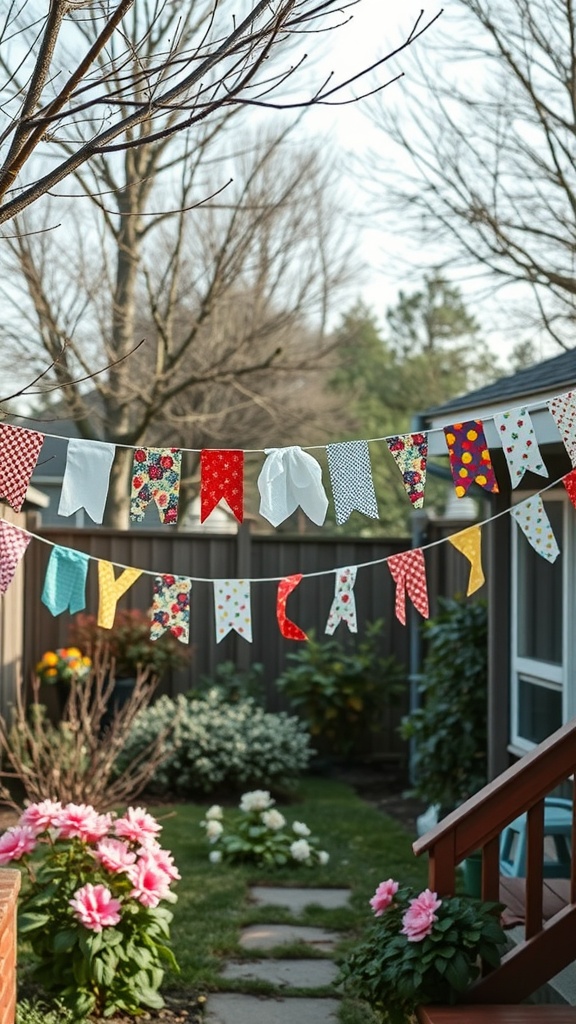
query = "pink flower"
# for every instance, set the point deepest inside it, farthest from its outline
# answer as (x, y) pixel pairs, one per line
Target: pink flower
(420, 916)
(137, 826)
(162, 858)
(95, 907)
(114, 855)
(151, 884)
(383, 896)
(15, 842)
(40, 816)
(81, 821)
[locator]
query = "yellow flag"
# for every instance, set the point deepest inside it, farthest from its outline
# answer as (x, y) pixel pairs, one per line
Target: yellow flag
(111, 590)
(470, 544)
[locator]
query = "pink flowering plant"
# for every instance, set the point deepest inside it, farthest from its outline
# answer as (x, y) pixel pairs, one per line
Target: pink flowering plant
(92, 904)
(420, 949)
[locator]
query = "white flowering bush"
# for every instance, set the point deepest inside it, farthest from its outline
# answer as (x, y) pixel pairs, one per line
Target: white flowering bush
(261, 836)
(212, 743)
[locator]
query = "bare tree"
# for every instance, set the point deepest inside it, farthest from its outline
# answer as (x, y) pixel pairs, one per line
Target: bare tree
(484, 153)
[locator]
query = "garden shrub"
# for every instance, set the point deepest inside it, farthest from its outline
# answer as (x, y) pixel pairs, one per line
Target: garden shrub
(233, 683)
(216, 744)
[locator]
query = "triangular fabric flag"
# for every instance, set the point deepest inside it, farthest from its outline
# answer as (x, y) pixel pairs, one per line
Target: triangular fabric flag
(291, 478)
(156, 477)
(519, 444)
(569, 482)
(13, 544)
(351, 479)
(287, 628)
(171, 607)
(410, 452)
(343, 606)
(19, 451)
(469, 457)
(221, 476)
(563, 409)
(86, 477)
(65, 581)
(532, 519)
(232, 608)
(111, 590)
(469, 542)
(408, 571)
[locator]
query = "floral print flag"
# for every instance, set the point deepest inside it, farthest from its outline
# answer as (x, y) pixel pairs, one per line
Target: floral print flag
(408, 571)
(19, 451)
(291, 478)
(344, 603)
(532, 519)
(232, 608)
(287, 628)
(171, 607)
(351, 479)
(410, 452)
(221, 477)
(519, 444)
(111, 590)
(563, 409)
(156, 477)
(65, 581)
(469, 543)
(469, 457)
(13, 544)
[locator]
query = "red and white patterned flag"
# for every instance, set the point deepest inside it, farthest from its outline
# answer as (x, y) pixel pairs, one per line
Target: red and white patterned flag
(408, 571)
(13, 544)
(221, 476)
(19, 451)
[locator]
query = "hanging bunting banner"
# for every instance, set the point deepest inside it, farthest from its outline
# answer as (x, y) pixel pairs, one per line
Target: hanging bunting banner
(519, 444)
(287, 628)
(469, 543)
(469, 457)
(111, 590)
(343, 606)
(221, 476)
(563, 410)
(569, 482)
(351, 479)
(410, 453)
(156, 477)
(408, 571)
(232, 608)
(532, 519)
(86, 477)
(13, 544)
(291, 478)
(19, 451)
(171, 607)
(65, 581)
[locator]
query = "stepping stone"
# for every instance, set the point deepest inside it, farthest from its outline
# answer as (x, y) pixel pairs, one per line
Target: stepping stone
(222, 1008)
(295, 973)
(297, 899)
(267, 936)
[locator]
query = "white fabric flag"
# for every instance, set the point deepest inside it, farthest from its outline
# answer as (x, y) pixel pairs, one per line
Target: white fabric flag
(519, 444)
(563, 409)
(232, 608)
(290, 478)
(344, 603)
(532, 518)
(86, 478)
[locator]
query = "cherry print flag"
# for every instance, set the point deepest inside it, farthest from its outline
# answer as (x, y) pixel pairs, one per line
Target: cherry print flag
(532, 519)
(156, 477)
(408, 571)
(13, 544)
(469, 457)
(65, 581)
(291, 478)
(221, 476)
(111, 590)
(86, 477)
(287, 628)
(344, 603)
(19, 451)
(469, 543)
(410, 452)
(232, 608)
(563, 409)
(569, 482)
(519, 444)
(351, 479)
(171, 607)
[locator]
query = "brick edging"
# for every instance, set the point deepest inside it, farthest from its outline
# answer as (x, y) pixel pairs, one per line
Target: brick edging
(9, 888)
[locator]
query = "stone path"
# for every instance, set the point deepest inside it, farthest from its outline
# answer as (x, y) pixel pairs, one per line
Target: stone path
(303, 973)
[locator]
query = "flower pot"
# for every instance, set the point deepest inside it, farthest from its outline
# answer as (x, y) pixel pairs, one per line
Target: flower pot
(473, 874)
(121, 692)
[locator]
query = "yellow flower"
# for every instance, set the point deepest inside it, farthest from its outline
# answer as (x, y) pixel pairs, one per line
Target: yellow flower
(72, 652)
(49, 658)
(51, 672)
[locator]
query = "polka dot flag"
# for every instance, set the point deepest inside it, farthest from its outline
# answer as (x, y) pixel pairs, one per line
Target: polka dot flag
(469, 457)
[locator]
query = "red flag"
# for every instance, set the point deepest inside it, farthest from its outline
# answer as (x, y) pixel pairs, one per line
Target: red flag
(221, 476)
(288, 629)
(569, 482)
(409, 574)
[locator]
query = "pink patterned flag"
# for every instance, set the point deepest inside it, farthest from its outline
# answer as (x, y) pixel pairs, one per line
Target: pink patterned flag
(469, 457)
(221, 476)
(13, 544)
(410, 453)
(344, 603)
(563, 409)
(408, 571)
(287, 628)
(19, 451)
(171, 607)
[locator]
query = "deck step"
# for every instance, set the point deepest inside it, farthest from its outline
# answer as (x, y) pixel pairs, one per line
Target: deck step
(524, 1014)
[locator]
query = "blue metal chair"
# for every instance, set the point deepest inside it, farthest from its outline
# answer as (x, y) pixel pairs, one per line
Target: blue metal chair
(558, 832)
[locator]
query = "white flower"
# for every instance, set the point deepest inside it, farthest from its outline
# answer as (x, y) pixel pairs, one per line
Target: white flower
(300, 849)
(214, 830)
(323, 857)
(257, 800)
(214, 813)
(215, 856)
(273, 819)
(300, 828)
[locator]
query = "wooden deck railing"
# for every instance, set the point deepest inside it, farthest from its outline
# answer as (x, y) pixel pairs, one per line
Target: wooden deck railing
(476, 825)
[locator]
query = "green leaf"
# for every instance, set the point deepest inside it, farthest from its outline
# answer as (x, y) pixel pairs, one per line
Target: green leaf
(29, 922)
(65, 940)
